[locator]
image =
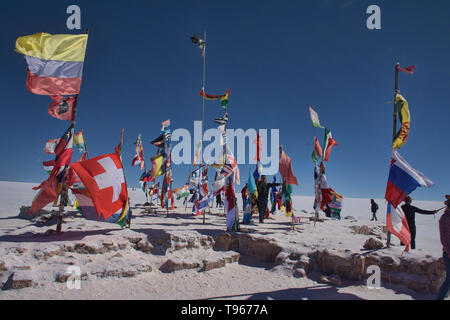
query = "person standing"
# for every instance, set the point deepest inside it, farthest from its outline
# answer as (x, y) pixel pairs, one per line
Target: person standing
(373, 208)
(410, 214)
(263, 196)
(218, 201)
(444, 230)
(244, 194)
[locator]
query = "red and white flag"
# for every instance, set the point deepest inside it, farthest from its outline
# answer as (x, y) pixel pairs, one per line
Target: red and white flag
(104, 179)
(397, 224)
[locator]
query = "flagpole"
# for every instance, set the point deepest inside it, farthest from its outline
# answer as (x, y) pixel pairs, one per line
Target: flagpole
(203, 111)
(63, 193)
(394, 132)
(124, 177)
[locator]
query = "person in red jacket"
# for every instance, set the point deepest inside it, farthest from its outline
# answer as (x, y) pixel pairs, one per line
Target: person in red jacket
(444, 230)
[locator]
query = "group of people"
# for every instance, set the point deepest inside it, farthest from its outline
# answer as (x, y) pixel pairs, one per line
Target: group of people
(444, 232)
(260, 202)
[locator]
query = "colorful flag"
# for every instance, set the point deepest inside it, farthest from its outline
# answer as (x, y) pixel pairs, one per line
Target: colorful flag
(182, 192)
(213, 97)
(63, 156)
(104, 179)
(397, 224)
(285, 168)
(409, 69)
(50, 146)
(401, 105)
(314, 118)
(61, 108)
(403, 179)
(224, 101)
(328, 144)
(78, 141)
(55, 62)
(251, 185)
(286, 198)
(157, 166)
(86, 207)
(139, 157)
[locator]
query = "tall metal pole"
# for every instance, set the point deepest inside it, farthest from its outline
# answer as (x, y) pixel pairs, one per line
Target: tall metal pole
(394, 132)
(203, 111)
(64, 190)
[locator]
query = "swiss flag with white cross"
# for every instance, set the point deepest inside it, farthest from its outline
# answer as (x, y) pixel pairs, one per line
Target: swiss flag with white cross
(104, 180)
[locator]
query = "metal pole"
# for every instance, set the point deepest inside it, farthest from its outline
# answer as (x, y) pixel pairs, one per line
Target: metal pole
(203, 110)
(394, 132)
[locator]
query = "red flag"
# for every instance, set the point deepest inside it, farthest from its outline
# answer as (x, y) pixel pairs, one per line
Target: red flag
(330, 144)
(258, 143)
(61, 108)
(317, 148)
(285, 168)
(409, 69)
(46, 195)
(104, 179)
(397, 224)
(73, 177)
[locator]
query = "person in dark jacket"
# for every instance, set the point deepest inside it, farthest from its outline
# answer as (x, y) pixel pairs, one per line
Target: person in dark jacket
(218, 201)
(410, 214)
(444, 230)
(263, 196)
(373, 208)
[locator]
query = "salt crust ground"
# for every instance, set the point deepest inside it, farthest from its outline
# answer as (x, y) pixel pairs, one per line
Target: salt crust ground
(248, 279)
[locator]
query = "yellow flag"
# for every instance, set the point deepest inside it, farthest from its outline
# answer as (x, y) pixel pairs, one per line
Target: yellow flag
(59, 47)
(403, 111)
(157, 166)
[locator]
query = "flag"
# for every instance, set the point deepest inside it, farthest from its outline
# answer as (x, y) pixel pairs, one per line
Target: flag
(401, 105)
(78, 141)
(182, 192)
(409, 69)
(164, 125)
(46, 194)
(213, 97)
(328, 144)
(159, 141)
(285, 168)
(314, 118)
(86, 207)
(224, 101)
(317, 148)
(258, 143)
(61, 107)
(50, 146)
(403, 179)
(314, 157)
(63, 156)
(273, 196)
(230, 207)
(222, 120)
(251, 186)
(286, 198)
(157, 166)
(197, 153)
(139, 157)
(55, 62)
(219, 184)
(104, 179)
(397, 224)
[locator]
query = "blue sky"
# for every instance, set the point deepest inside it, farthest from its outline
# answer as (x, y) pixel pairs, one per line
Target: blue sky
(277, 57)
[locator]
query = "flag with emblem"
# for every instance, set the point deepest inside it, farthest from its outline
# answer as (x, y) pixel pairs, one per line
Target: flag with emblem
(61, 108)
(104, 179)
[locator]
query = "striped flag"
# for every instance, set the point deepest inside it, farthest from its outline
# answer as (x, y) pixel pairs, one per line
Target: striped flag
(397, 224)
(55, 62)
